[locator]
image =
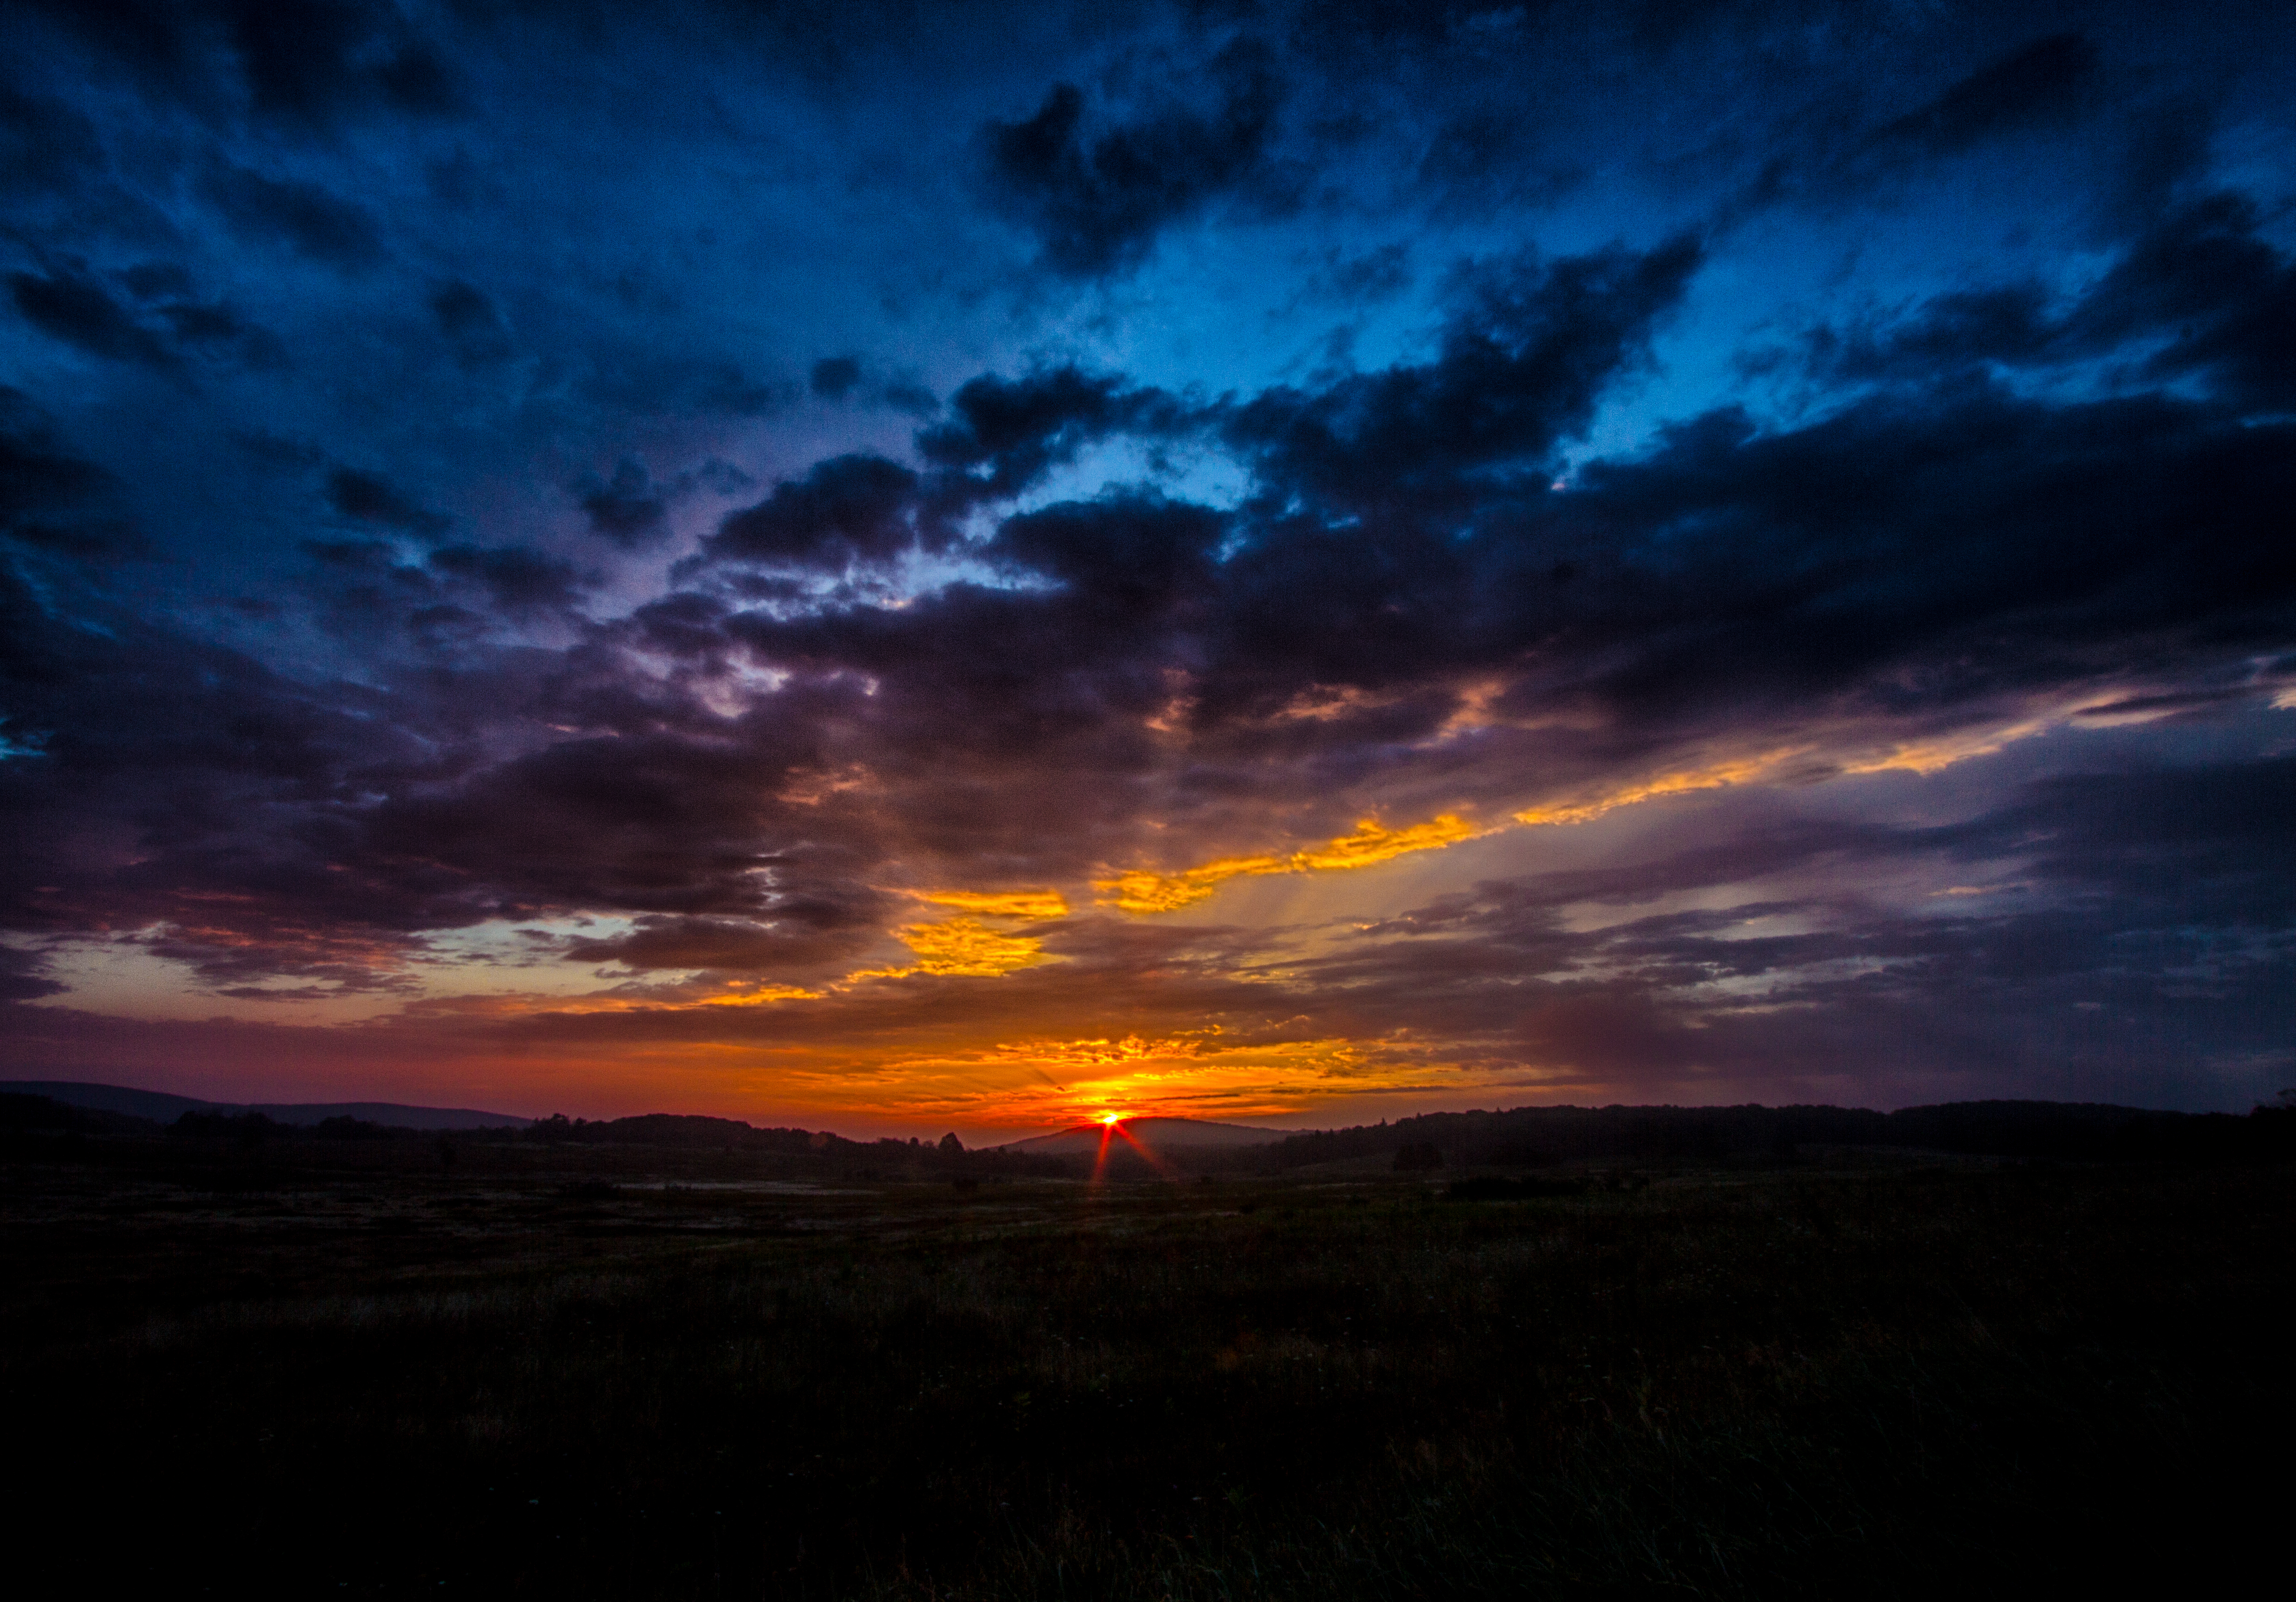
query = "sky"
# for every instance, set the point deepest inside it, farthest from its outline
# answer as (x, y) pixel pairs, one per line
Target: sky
(900, 568)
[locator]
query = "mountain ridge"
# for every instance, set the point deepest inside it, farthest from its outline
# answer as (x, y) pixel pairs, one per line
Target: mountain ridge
(166, 1106)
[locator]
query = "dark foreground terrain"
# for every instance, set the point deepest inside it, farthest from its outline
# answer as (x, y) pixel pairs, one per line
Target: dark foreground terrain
(524, 1370)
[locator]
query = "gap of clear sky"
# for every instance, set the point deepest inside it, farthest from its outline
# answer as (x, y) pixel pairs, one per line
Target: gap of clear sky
(899, 568)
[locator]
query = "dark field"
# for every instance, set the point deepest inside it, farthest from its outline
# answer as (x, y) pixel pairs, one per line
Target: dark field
(628, 1373)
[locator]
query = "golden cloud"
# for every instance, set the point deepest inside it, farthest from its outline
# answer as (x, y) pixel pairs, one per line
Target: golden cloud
(962, 945)
(1145, 892)
(1017, 904)
(1720, 776)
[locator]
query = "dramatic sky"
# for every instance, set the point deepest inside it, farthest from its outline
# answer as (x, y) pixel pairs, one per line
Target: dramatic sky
(900, 567)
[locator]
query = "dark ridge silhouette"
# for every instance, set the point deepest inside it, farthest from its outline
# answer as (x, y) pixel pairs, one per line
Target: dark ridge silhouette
(24, 1113)
(1531, 1136)
(165, 1107)
(887, 1158)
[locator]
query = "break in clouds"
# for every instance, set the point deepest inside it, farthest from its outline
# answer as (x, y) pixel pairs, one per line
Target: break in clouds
(1247, 560)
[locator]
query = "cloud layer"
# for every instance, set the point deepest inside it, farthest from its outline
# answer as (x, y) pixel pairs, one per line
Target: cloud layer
(1193, 568)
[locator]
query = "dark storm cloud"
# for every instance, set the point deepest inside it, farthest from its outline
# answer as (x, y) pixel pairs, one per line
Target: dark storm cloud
(629, 510)
(471, 322)
(2039, 82)
(1521, 364)
(70, 305)
(44, 144)
(1098, 199)
(307, 61)
(2197, 294)
(849, 510)
(38, 475)
(517, 580)
(312, 57)
(53, 500)
(833, 377)
(302, 216)
(1005, 434)
(367, 497)
(75, 308)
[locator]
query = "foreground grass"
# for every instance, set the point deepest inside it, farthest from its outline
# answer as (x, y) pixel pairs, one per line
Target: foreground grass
(1888, 1382)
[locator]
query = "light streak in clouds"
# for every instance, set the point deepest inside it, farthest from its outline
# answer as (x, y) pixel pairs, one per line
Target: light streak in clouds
(759, 995)
(1720, 776)
(1018, 903)
(1370, 844)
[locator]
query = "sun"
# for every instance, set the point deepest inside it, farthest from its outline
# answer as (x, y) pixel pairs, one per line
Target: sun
(1111, 1118)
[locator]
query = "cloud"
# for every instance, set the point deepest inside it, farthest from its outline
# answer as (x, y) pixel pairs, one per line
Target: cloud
(311, 59)
(2198, 294)
(74, 308)
(1007, 903)
(53, 500)
(1368, 846)
(849, 510)
(834, 377)
(963, 948)
(2040, 81)
(518, 579)
(471, 323)
(1097, 204)
(303, 216)
(1530, 346)
(803, 937)
(44, 146)
(629, 510)
(1005, 434)
(20, 976)
(370, 498)
(306, 61)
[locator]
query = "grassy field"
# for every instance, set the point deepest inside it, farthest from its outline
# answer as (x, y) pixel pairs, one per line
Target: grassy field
(628, 1374)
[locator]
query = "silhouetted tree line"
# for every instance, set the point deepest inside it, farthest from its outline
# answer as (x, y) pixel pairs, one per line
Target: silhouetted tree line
(1534, 1137)
(247, 1129)
(946, 1157)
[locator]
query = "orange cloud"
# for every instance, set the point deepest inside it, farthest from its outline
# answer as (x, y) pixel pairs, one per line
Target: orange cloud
(762, 993)
(1145, 892)
(962, 945)
(1720, 776)
(1017, 904)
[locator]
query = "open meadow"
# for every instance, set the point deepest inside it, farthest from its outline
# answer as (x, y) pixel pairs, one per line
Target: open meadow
(410, 1365)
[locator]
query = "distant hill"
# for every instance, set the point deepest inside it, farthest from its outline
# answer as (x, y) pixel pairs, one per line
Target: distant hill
(166, 1107)
(1154, 1133)
(1536, 1136)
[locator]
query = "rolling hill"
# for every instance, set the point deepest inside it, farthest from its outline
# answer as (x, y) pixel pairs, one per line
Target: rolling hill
(164, 1106)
